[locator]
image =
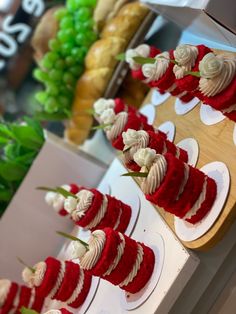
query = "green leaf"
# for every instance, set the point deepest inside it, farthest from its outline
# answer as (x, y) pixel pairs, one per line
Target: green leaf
(44, 188)
(5, 131)
(5, 195)
(135, 174)
(24, 264)
(27, 136)
(120, 57)
(35, 125)
(101, 126)
(65, 193)
(69, 236)
(197, 74)
(24, 310)
(127, 149)
(142, 60)
(12, 171)
(26, 159)
(45, 116)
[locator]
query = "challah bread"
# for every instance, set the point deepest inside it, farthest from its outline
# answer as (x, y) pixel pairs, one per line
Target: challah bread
(134, 9)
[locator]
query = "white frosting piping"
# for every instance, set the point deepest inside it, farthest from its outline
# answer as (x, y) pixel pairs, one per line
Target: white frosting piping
(78, 289)
(59, 280)
(100, 214)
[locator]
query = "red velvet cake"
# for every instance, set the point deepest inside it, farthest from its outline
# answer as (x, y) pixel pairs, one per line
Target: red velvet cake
(14, 296)
(117, 258)
(134, 140)
(62, 281)
(175, 186)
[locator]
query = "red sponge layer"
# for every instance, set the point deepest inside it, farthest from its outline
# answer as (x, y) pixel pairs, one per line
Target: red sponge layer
(145, 271)
(65, 311)
(24, 298)
(187, 97)
(124, 218)
(69, 282)
(231, 115)
(207, 204)
(38, 302)
(8, 304)
(83, 294)
(50, 277)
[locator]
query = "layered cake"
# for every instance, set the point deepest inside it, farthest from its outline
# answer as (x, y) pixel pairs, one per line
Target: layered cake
(217, 84)
(59, 280)
(175, 186)
(117, 258)
(14, 296)
(134, 140)
(57, 200)
(91, 210)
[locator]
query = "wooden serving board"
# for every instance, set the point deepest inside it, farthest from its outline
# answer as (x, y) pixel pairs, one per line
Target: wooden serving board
(215, 144)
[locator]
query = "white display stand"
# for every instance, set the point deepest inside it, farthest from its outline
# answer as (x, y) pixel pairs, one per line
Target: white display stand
(192, 148)
(182, 108)
(149, 112)
(158, 99)
(168, 127)
(210, 116)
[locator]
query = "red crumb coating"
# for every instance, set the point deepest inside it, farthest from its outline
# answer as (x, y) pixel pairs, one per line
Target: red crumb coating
(111, 215)
(192, 190)
(163, 134)
(69, 282)
(168, 79)
(176, 91)
(231, 115)
(133, 122)
(133, 166)
(125, 265)
(83, 294)
(38, 302)
(125, 218)
(8, 304)
(144, 273)
(65, 311)
(50, 277)
(187, 97)
(93, 209)
(207, 204)
(189, 82)
(24, 297)
(169, 187)
(108, 253)
(224, 99)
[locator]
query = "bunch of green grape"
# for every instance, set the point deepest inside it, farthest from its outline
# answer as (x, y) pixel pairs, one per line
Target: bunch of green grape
(63, 64)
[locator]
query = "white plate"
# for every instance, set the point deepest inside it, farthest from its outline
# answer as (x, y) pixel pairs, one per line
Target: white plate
(209, 115)
(105, 188)
(131, 301)
(234, 135)
(192, 148)
(189, 232)
(157, 98)
(168, 127)
(182, 108)
(149, 112)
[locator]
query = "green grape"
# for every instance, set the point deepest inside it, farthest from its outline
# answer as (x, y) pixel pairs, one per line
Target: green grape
(41, 97)
(69, 79)
(76, 70)
(72, 5)
(87, 3)
(83, 14)
(89, 24)
(55, 75)
(52, 89)
(51, 105)
(65, 101)
(67, 22)
(54, 44)
(70, 60)
(78, 54)
(67, 48)
(46, 63)
(80, 27)
(66, 35)
(60, 13)
(40, 75)
(60, 64)
(52, 56)
(85, 39)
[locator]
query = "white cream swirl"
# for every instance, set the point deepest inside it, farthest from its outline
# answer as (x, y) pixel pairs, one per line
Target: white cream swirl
(103, 104)
(108, 117)
(185, 56)
(134, 140)
(135, 268)
(59, 280)
(77, 250)
(5, 286)
(96, 244)
(154, 71)
(120, 252)
(140, 51)
(56, 200)
(70, 204)
(145, 157)
(155, 176)
(100, 214)
(216, 72)
(34, 279)
(118, 126)
(53, 312)
(78, 289)
(85, 200)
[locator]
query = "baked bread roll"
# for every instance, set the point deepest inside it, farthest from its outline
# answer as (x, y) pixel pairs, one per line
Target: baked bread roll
(134, 9)
(103, 52)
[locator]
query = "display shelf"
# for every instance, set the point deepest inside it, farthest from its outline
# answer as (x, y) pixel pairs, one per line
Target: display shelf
(216, 144)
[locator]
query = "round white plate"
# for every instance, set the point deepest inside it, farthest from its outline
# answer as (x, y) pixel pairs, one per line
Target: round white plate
(189, 232)
(168, 127)
(234, 135)
(209, 115)
(192, 148)
(182, 108)
(157, 98)
(105, 188)
(131, 301)
(149, 112)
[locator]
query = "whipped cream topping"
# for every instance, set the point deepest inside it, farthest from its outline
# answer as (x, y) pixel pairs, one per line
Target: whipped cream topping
(140, 51)
(145, 157)
(118, 220)
(108, 117)
(34, 279)
(154, 71)
(78, 289)
(59, 280)
(70, 204)
(85, 199)
(56, 200)
(216, 72)
(5, 286)
(185, 56)
(192, 212)
(53, 312)
(103, 104)
(120, 252)
(32, 298)
(155, 176)
(119, 124)
(135, 269)
(100, 214)
(184, 181)
(77, 249)
(96, 244)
